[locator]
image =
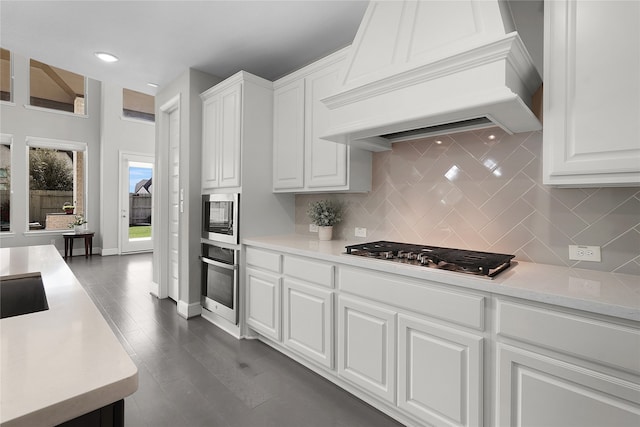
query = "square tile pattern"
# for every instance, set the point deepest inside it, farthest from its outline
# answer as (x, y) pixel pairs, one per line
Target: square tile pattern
(483, 190)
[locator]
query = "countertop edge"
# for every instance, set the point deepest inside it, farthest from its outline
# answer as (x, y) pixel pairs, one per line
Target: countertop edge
(507, 284)
(76, 406)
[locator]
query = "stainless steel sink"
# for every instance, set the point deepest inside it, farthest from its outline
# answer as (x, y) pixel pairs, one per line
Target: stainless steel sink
(22, 295)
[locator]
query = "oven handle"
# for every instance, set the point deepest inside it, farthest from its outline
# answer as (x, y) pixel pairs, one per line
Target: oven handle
(218, 263)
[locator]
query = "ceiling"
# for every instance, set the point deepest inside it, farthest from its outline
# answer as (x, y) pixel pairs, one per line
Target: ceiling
(156, 41)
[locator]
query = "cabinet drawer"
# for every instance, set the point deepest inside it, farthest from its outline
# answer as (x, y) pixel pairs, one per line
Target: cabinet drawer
(263, 259)
(602, 342)
(419, 296)
(310, 271)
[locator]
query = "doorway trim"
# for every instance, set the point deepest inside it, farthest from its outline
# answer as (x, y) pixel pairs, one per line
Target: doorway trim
(160, 284)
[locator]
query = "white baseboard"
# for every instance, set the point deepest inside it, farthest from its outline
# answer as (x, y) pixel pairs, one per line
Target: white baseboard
(154, 289)
(189, 310)
(109, 252)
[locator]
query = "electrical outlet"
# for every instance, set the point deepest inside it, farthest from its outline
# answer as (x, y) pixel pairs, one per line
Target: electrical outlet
(361, 232)
(313, 228)
(584, 253)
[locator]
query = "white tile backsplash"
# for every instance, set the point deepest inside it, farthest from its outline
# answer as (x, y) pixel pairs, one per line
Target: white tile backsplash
(477, 192)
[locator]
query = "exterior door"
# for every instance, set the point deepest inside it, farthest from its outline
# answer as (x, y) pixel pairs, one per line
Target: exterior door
(136, 190)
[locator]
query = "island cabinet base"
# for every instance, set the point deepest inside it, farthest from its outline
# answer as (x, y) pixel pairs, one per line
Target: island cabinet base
(107, 416)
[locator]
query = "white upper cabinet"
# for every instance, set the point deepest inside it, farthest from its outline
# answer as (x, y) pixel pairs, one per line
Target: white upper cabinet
(210, 139)
(592, 93)
(302, 161)
(221, 139)
(288, 129)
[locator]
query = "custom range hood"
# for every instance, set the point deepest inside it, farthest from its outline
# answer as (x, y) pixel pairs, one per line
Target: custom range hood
(419, 68)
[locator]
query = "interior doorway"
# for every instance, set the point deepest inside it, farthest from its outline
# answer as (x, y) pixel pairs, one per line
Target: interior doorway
(136, 203)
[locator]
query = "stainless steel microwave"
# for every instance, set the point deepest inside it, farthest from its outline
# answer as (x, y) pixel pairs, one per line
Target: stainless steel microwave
(220, 217)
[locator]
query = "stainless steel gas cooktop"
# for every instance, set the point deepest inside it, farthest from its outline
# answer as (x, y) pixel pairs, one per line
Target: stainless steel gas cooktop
(460, 260)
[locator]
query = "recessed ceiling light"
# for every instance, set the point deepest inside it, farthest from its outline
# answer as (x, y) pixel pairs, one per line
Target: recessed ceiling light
(106, 57)
(152, 84)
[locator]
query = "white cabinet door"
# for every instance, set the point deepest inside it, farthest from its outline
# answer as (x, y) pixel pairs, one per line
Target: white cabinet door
(326, 161)
(222, 138)
(366, 346)
(439, 373)
(302, 160)
(308, 321)
(230, 136)
(288, 136)
(535, 390)
(592, 93)
(210, 140)
(263, 302)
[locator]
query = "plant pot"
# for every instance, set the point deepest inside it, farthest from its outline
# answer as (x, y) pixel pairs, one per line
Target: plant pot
(325, 233)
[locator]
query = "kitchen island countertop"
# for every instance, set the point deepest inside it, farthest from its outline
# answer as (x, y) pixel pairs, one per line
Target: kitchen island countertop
(610, 294)
(59, 363)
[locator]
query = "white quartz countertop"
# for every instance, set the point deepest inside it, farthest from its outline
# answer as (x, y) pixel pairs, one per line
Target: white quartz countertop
(59, 363)
(609, 294)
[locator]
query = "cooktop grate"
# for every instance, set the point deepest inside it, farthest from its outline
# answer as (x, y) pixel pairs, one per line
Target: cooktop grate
(466, 261)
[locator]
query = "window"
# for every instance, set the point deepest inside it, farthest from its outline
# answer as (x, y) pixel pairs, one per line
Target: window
(5, 183)
(137, 105)
(57, 178)
(6, 76)
(56, 89)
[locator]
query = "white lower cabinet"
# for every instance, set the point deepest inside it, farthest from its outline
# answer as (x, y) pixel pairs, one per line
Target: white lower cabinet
(535, 390)
(308, 321)
(439, 373)
(430, 354)
(263, 302)
(367, 346)
(561, 368)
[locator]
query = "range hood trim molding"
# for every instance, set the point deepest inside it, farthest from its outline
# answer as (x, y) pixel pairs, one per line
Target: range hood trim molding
(509, 47)
(365, 134)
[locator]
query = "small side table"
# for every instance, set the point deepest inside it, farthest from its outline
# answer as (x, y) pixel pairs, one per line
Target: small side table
(88, 242)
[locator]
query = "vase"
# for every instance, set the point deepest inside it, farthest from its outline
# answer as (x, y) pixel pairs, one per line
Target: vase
(78, 228)
(325, 233)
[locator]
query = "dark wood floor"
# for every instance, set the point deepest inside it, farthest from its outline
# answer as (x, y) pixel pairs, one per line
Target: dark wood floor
(193, 374)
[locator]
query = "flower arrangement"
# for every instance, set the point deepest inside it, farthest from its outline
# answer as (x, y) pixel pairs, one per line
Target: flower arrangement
(78, 220)
(325, 213)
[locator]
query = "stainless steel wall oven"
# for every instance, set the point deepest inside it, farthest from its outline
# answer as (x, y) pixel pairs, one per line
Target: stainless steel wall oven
(220, 281)
(220, 217)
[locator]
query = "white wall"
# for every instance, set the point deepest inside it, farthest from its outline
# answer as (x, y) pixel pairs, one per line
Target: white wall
(104, 132)
(118, 135)
(20, 122)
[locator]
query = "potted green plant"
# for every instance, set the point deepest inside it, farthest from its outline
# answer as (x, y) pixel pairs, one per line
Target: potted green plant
(325, 214)
(68, 208)
(78, 223)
